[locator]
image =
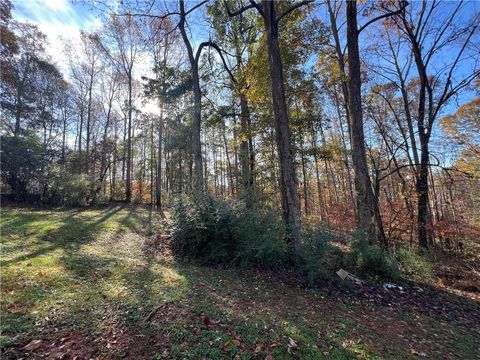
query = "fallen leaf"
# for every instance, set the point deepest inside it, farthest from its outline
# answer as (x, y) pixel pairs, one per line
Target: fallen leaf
(33, 345)
(205, 319)
(236, 341)
(16, 308)
(415, 352)
(275, 344)
(225, 346)
(196, 331)
(258, 348)
(42, 273)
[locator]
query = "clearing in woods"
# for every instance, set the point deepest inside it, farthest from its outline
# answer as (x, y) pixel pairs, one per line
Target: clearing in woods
(101, 283)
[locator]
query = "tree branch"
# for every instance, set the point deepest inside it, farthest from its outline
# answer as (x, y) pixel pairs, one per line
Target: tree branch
(392, 13)
(239, 11)
(196, 7)
(216, 47)
(294, 6)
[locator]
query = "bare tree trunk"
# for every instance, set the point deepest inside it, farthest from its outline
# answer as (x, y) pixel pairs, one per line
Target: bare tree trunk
(89, 119)
(158, 192)
(114, 166)
(247, 176)
(198, 181)
(80, 131)
(128, 191)
(64, 133)
(291, 209)
(229, 163)
(368, 213)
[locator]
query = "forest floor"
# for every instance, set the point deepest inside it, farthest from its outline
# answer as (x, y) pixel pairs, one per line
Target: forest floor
(100, 283)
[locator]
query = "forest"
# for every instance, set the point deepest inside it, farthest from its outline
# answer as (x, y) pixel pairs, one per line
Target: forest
(240, 179)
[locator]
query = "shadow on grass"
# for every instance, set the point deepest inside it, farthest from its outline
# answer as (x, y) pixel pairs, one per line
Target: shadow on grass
(102, 294)
(69, 236)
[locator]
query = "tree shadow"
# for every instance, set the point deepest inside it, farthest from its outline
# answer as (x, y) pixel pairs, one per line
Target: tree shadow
(72, 234)
(242, 302)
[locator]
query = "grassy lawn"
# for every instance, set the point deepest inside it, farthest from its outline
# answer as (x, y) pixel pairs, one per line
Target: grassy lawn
(97, 283)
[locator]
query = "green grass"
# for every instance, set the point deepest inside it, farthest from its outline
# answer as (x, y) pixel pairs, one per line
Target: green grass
(99, 273)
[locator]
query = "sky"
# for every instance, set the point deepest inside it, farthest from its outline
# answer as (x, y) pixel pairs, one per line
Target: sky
(62, 20)
(57, 19)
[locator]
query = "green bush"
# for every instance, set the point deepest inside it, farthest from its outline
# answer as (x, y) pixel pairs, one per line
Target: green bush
(317, 258)
(213, 232)
(25, 165)
(373, 260)
(260, 238)
(217, 232)
(413, 265)
(203, 230)
(71, 189)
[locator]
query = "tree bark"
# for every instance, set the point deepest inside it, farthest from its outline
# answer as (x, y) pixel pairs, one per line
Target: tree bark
(198, 181)
(368, 213)
(128, 191)
(288, 184)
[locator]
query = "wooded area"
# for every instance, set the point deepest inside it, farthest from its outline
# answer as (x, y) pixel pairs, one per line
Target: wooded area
(330, 131)
(297, 134)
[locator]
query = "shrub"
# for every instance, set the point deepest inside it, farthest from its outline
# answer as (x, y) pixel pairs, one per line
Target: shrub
(317, 258)
(72, 190)
(25, 165)
(413, 265)
(373, 260)
(203, 230)
(260, 238)
(217, 232)
(213, 231)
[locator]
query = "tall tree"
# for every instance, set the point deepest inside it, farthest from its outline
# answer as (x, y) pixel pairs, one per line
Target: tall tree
(435, 91)
(269, 11)
(194, 58)
(368, 210)
(123, 42)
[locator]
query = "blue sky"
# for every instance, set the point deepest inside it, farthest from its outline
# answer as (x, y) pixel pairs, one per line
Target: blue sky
(57, 19)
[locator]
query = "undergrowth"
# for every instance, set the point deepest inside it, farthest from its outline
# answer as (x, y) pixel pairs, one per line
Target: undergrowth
(217, 232)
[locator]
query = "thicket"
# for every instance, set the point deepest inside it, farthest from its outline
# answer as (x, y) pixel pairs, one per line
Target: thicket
(215, 232)
(33, 173)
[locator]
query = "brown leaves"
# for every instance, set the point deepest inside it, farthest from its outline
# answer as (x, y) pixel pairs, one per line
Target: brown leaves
(34, 345)
(414, 352)
(275, 343)
(205, 319)
(17, 308)
(258, 348)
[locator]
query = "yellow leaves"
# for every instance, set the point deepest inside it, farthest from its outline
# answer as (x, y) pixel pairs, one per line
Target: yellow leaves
(463, 126)
(243, 137)
(329, 70)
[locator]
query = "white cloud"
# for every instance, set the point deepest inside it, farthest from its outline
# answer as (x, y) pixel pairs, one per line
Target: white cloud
(58, 19)
(61, 21)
